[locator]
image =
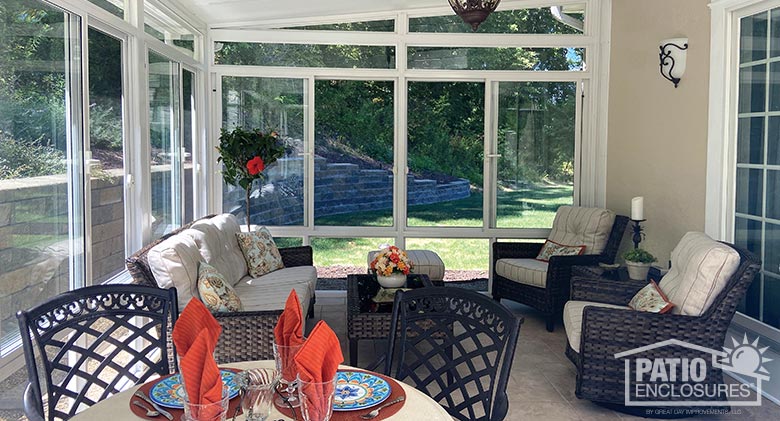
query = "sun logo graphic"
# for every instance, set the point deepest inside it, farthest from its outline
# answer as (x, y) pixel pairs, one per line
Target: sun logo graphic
(745, 358)
(674, 373)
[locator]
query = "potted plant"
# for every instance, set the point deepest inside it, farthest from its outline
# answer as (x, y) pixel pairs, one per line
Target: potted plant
(245, 155)
(391, 265)
(638, 263)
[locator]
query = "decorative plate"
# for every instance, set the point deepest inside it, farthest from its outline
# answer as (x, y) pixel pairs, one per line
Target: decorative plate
(169, 392)
(358, 390)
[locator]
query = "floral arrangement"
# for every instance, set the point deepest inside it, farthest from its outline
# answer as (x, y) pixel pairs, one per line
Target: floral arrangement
(391, 260)
(246, 154)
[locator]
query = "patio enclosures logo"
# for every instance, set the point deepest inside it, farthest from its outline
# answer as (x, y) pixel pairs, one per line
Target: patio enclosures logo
(676, 373)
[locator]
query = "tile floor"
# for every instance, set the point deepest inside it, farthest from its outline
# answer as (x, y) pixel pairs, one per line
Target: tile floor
(541, 386)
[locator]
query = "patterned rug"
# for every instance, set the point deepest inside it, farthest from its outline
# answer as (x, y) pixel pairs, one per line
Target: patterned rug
(340, 284)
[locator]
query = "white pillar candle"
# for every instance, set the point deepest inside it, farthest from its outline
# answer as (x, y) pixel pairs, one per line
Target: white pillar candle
(637, 208)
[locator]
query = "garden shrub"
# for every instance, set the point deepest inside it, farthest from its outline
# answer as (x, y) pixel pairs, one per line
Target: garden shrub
(20, 159)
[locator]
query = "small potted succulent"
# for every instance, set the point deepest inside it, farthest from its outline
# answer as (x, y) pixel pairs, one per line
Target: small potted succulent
(638, 263)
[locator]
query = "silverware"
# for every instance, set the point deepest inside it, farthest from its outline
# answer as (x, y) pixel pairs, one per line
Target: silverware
(162, 412)
(375, 413)
(149, 411)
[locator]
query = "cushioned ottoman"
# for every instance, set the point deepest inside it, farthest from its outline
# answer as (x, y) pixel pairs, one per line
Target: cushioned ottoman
(426, 262)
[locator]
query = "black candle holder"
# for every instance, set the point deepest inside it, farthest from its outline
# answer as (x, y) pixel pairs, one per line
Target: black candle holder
(638, 233)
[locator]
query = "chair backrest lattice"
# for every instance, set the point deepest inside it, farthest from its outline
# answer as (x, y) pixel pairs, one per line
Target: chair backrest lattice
(457, 347)
(92, 342)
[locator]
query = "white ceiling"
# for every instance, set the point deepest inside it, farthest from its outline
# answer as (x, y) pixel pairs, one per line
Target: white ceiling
(230, 12)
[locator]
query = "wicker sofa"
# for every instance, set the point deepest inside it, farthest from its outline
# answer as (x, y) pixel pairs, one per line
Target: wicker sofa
(518, 276)
(600, 326)
(247, 335)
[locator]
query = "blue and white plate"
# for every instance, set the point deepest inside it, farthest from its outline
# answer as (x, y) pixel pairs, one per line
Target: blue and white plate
(169, 392)
(358, 390)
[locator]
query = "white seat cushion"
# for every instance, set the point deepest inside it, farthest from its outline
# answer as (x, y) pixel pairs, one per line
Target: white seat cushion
(572, 319)
(575, 226)
(174, 263)
(426, 262)
(701, 268)
(525, 271)
(270, 291)
(216, 240)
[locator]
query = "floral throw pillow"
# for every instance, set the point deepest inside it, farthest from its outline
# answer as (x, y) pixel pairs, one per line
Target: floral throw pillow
(551, 248)
(261, 254)
(651, 299)
(215, 291)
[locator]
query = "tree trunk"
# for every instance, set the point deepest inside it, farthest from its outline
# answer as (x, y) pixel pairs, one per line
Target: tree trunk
(248, 192)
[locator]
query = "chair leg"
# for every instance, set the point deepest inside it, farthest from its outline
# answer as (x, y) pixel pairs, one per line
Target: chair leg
(550, 322)
(353, 352)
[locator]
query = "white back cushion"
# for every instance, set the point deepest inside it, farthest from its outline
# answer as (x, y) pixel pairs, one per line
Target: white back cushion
(701, 267)
(174, 263)
(216, 240)
(576, 226)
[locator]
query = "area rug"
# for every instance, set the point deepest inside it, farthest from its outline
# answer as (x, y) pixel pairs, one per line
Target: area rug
(340, 284)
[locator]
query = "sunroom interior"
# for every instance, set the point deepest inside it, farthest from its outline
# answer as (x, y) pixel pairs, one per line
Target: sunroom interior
(401, 125)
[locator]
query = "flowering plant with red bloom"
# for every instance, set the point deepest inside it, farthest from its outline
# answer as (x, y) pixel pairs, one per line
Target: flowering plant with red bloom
(245, 155)
(391, 259)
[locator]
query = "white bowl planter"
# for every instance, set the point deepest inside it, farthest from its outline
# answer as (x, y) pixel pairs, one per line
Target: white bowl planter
(395, 280)
(637, 271)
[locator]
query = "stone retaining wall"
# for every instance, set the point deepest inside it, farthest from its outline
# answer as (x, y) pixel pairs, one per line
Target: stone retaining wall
(339, 188)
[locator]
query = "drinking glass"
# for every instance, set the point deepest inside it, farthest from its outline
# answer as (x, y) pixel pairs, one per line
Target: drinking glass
(317, 399)
(259, 386)
(285, 365)
(216, 411)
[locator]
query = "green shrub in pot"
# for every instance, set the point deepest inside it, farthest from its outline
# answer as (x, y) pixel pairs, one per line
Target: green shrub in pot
(638, 263)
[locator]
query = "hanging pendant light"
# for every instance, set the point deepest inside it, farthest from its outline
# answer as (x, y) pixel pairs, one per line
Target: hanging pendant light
(474, 12)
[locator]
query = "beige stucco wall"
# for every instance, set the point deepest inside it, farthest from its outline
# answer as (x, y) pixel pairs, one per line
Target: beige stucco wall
(657, 135)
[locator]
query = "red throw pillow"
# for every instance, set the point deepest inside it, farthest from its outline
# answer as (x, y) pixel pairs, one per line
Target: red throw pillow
(551, 248)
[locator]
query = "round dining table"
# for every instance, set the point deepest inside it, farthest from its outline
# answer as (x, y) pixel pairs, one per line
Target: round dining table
(417, 405)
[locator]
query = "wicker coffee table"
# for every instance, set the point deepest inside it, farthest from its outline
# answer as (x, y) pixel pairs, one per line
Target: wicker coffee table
(366, 319)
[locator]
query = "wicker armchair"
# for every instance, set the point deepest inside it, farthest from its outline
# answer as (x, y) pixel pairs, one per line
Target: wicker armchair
(609, 331)
(238, 328)
(550, 298)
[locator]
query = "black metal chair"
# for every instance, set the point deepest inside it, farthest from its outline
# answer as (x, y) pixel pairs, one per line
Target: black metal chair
(457, 347)
(88, 343)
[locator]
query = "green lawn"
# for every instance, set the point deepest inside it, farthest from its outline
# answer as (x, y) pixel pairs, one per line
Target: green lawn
(521, 208)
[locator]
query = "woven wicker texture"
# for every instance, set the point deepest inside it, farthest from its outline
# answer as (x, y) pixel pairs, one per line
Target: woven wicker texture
(550, 300)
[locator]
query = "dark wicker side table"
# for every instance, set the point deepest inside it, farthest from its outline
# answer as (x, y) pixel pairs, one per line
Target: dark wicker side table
(366, 320)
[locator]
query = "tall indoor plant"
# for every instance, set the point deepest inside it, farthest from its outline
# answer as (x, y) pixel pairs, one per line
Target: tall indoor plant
(246, 154)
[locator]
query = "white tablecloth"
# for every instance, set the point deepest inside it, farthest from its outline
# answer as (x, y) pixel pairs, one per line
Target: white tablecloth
(417, 406)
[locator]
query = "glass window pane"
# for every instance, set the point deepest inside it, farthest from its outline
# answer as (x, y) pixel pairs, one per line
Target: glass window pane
(774, 38)
(464, 258)
(753, 37)
(445, 142)
(771, 314)
(189, 128)
(387, 25)
(164, 88)
(353, 167)
(269, 105)
(750, 140)
(107, 144)
(749, 191)
(282, 242)
(773, 146)
(36, 236)
(168, 29)
(338, 257)
(773, 194)
(772, 245)
(752, 88)
(519, 21)
(774, 86)
(747, 234)
(304, 55)
(536, 132)
(478, 58)
(115, 7)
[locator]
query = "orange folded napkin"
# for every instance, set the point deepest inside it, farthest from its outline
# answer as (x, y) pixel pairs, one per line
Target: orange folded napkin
(195, 335)
(194, 318)
(289, 328)
(317, 362)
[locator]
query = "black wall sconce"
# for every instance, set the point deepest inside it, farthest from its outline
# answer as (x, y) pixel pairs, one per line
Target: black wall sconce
(672, 56)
